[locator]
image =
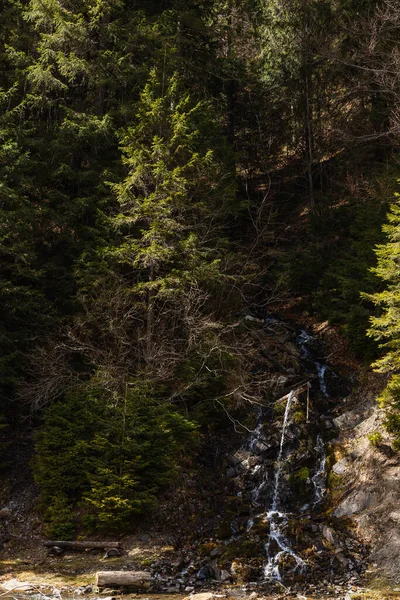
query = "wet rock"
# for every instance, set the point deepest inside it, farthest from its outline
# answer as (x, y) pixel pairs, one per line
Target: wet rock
(230, 472)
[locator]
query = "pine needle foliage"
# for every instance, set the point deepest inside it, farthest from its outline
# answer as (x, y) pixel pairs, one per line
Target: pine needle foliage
(385, 328)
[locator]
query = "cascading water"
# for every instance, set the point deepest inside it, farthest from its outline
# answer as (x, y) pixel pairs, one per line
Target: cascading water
(318, 480)
(274, 497)
(319, 477)
(277, 519)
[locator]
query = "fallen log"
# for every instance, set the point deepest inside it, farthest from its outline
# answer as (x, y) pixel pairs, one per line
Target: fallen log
(133, 579)
(82, 545)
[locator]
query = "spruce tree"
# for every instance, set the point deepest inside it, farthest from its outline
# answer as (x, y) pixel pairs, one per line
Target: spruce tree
(385, 328)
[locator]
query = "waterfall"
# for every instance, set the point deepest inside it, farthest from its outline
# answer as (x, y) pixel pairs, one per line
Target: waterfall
(277, 520)
(275, 497)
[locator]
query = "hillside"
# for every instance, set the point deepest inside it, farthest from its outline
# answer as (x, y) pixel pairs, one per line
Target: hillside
(199, 247)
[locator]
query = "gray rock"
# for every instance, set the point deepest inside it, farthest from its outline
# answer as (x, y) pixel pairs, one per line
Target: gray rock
(111, 552)
(225, 576)
(329, 535)
(339, 468)
(56, 551)
(356, 503)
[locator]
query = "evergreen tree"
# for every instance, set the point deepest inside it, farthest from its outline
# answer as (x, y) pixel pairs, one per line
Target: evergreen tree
(385, 327)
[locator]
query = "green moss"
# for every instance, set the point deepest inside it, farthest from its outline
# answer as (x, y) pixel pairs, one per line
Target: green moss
(300, 476)
(246, 548)
(299, 417)
(333, 480)
(375, 438)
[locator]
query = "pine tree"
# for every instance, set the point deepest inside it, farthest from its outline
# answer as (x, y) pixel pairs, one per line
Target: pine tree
(385, 327)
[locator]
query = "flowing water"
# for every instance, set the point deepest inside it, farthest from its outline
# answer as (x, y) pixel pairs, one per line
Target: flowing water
(277, 546)
(278, 519)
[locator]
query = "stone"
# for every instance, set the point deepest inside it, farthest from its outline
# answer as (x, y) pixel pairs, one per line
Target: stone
(356, 503)
(225, 576)
(56, 551)
(111, 552)
(202, 596)
(87, 589)
(339, 468)
(230, 472)
(216, 552)
(329, 535)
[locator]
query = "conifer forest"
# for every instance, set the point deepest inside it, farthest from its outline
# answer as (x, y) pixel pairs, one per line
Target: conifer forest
(200, 296)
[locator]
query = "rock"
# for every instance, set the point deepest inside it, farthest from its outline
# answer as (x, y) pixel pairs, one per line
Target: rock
(56, 551)
(203, 596)
(225, 576)
(230, 472)
(329, 535)
(189, 588)
(253, 596)
(340, 467)
(216, 552)
(13, 585)
(356, 503)
(178, 563)
(111, 552)
(88, 589)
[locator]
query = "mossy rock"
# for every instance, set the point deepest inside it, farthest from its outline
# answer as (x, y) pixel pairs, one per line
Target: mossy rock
(241, 549)
(261, 527)
(224, 530)
(235, 505)
(300, 476)
(207, 548)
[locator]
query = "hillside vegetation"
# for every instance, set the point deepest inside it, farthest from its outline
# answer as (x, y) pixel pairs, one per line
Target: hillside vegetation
(164, 166)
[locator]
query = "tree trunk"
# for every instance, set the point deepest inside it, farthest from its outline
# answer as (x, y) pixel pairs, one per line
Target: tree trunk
(134, 579)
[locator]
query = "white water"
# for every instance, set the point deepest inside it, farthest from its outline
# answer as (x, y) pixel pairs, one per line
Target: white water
(275, 497)
(278, 520)
(318, 479)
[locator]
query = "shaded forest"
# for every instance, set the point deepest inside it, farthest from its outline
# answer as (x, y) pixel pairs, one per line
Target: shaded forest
(166, 166)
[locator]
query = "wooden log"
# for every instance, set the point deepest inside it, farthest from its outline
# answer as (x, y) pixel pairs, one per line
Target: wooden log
(82, 545)
(296, 391)
(133, 579)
